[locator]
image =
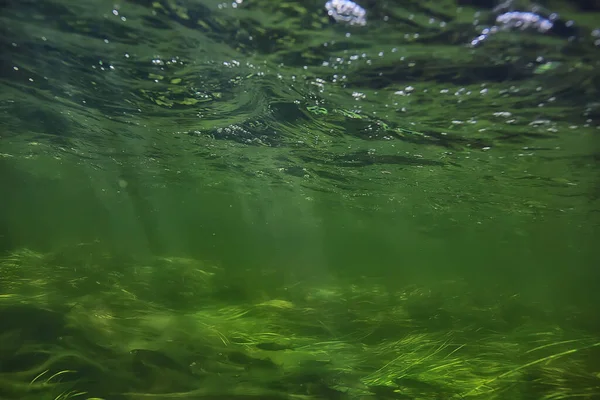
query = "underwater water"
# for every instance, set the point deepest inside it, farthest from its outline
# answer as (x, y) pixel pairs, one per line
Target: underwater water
(299, 200)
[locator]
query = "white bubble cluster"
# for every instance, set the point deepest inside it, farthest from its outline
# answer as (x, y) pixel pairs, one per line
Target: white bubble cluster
(524, 20)
(515, 20)
(346, 11)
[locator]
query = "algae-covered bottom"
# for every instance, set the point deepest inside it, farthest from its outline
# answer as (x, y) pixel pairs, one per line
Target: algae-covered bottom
(81, 323)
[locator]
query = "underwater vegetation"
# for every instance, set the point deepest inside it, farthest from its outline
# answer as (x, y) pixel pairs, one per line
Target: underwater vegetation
(80, 323)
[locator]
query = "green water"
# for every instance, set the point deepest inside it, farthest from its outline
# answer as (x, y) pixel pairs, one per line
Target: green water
(207, 202)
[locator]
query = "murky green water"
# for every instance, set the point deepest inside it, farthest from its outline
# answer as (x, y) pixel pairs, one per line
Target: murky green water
(213, 202)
